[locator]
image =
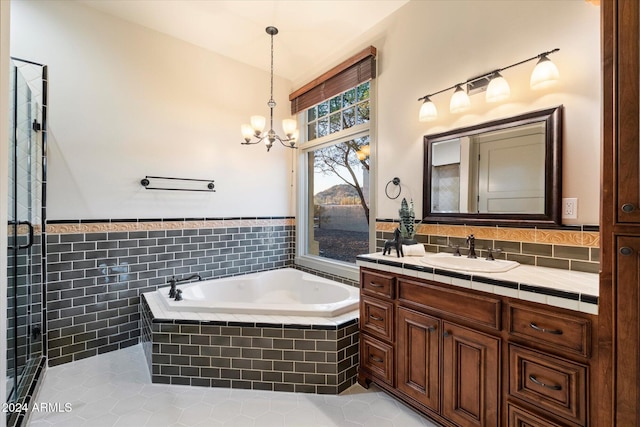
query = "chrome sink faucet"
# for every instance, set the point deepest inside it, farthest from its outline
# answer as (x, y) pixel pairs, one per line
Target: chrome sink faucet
(471, 242)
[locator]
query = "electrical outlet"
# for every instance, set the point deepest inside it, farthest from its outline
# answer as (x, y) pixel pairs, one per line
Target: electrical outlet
(570, 208)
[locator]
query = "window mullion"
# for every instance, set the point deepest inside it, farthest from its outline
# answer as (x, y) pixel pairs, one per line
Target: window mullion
(338, 137)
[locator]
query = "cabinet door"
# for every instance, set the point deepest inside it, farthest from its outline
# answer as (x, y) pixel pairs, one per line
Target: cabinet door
(418, 357)
(470, 383)
(628, 331)
(627, 150)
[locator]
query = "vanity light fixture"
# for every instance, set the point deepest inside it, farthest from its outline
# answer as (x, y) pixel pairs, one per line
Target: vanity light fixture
(498, 88)
(544, 75)
(428, 111)
(255, 130)
(459, 101)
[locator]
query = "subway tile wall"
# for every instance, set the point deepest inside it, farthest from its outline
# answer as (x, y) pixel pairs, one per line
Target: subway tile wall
(569, 248)
(98, 269)
(295, 358)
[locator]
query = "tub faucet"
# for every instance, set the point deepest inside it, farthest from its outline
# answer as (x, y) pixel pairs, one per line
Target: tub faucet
(193, 276)
(173, 281)
(471, 241)
(172, 290)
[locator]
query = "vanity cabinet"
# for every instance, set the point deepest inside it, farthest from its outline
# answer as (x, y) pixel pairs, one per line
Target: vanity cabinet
(468, 358)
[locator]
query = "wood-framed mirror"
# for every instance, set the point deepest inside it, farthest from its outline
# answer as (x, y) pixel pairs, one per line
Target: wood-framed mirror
(503, 172)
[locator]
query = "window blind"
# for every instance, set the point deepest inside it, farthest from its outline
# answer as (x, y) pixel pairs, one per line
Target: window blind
(350, 73)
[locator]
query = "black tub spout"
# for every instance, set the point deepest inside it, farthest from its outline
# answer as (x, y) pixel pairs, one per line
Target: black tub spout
(193, 276)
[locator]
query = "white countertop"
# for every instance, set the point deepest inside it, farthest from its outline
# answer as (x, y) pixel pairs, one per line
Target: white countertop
(574, 290)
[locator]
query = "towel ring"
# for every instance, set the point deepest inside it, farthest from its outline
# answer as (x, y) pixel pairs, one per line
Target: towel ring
(394, 181)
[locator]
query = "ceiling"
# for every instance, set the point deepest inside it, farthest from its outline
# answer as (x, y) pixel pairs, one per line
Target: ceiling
(309, 30)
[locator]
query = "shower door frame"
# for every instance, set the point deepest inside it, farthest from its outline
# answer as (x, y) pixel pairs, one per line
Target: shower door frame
(26, 384)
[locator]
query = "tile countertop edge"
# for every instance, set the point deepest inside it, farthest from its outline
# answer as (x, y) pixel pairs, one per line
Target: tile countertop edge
(536, 287)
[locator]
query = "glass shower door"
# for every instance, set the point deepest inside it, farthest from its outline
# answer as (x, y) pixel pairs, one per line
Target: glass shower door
(26, 252)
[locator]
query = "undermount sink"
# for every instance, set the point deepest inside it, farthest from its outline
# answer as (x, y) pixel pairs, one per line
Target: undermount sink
(479, 265)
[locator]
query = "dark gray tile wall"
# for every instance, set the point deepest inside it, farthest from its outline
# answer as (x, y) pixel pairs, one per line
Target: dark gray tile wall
(294, 358)
(95, 278)
(543, 255)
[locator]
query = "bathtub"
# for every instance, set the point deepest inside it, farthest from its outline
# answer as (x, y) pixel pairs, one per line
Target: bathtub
(283, 292)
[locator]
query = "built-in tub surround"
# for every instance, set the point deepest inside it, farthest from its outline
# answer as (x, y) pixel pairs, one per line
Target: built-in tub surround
(569, 248)
(262, 352)
(97, 270)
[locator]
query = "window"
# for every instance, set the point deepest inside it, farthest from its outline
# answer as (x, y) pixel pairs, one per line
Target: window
(340, 112)
(336, 221)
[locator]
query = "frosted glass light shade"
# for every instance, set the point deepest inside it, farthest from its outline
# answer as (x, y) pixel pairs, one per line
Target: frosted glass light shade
(247, 132)
(545, 74)
(498, 89)
(289, 126)
(459, 101)
(258, 123)
(428, 111)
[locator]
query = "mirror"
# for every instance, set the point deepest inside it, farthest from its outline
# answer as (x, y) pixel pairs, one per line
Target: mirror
(507, 171)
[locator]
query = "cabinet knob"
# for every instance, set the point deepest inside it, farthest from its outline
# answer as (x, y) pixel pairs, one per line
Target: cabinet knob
(626, 251)
(431, 329)
(446, 334)
(628, 208)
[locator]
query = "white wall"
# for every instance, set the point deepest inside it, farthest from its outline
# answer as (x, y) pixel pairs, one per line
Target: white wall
(126, 102)
(430, 45)
(4, 189)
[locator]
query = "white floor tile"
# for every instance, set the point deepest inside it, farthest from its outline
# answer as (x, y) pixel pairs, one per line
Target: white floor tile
(114, 389)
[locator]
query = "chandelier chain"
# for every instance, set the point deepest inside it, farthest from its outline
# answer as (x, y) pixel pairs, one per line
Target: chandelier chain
(254, 134)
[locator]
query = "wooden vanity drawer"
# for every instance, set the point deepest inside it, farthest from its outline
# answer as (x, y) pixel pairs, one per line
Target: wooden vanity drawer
(519, 417)
(553, 384)
(564, 332)
(377, 317)
(377, 283)
(377, 357)
(463, 305)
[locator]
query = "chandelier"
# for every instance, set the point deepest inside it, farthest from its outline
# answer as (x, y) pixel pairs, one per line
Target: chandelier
(253, 133)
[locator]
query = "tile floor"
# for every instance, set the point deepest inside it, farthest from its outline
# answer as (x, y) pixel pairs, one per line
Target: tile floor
(114, 389)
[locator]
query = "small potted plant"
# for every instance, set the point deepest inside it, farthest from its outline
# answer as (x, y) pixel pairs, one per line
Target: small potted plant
(407, 223)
